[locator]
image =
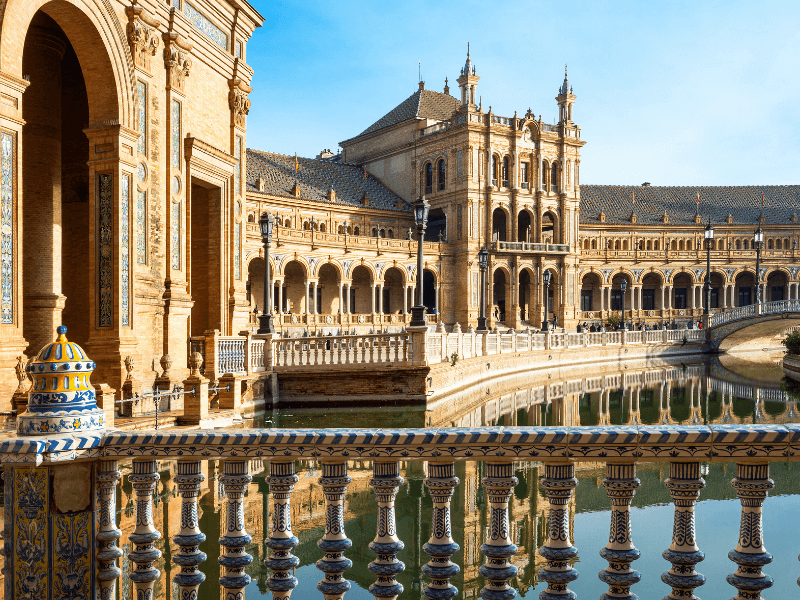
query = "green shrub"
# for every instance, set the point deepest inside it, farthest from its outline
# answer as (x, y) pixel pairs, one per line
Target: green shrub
(792, 342)
(614, 319)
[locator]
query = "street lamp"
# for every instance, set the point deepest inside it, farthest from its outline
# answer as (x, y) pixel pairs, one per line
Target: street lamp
(545, 324)
(709, 242)
(623, 286)
(421, 209)
(758, 239)
(265, 321)
(483, 262)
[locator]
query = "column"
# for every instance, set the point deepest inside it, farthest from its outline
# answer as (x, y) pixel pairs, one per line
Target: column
(281, 561)
(663, 297)
(684, 484)
(752, 485)
(189, 557)
(405, 298)
(280, 297)
(144, 554)
(314, 299)
(373, 298)
(438, 310)
(234, 558)
(380, 299)
(349, 293)
(108, 533)
(498, 548)
(386, 482)
(341, 304)
(602, 299)
(559, 482)
(620, 484)
(334, 542)
(308, 296)
(441, 482)
(692, 296)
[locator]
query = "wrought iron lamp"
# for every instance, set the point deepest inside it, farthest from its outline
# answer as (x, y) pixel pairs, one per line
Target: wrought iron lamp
(483, 262)
(421, 209)
(545, 324)
(266, 323)
(709, 234)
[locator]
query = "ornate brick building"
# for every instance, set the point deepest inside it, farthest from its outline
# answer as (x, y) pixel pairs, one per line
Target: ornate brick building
(512, 185)
(122, 128)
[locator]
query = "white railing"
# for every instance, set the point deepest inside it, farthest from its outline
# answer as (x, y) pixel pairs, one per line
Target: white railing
(231, 354)
(743, 312)
(256, 354)
(530, 247)
(381, 348)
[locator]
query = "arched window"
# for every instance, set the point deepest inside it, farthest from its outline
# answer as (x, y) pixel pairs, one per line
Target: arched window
(505, 171)
(746, 245)
(655, 245)
(545, 174)
(251, 218)
(322, 227)
(391, 234)
(554, 177)
(383, 233)
(374, 232)
(340, 229)
(494, 170)
(288, 223)
(440, 174)
(428, 178)
(306, 225)
(594, 244)
(356, 231)
(769, 244)
(624, 244)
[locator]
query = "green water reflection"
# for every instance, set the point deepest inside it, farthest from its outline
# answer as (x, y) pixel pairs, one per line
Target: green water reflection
(704, 394)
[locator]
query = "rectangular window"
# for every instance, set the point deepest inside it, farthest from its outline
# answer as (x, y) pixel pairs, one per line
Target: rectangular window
(176, 134)
(105, 187)
(476, 220)
(648, 299)
(239, 49)
(745, 298)
(239, 165)
(524, 175)
(680, 298)
(714, 298)
(141, 227)
(176, 4)
(616, 299)
(6, 228)
(125, 250)
(200, 21)
(586, 300)
(175, 235)
(141, 116)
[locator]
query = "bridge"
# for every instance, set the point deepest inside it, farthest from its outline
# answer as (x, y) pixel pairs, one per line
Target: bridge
(751, 327)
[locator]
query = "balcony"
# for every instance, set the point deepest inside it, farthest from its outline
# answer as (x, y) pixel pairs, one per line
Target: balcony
(527, 247)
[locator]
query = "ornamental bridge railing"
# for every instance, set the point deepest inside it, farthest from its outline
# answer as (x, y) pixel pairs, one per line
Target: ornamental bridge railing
(30, 464)
(753, 310)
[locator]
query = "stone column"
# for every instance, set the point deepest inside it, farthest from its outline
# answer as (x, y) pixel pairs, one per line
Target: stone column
(188, 480)
(341, 295)
(498, 548)
(559, 482)
(441, 482)
(373, 298)
(334, 542)
(234, 558)
(381, 307)
(386, 481)
(281, 561)
(144, 575)
(308, 296)
(405, 299)
(620, 484)
(108, 533)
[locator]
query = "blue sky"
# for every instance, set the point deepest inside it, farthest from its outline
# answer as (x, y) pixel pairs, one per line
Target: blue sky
(672, 92)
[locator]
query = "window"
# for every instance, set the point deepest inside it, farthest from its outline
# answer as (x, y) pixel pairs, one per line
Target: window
(505, 171)
(545, 174)
(356, 231)
(744, 296)
(374, 232)
(554, 177)
(586, 300)
(680, 298)
(523, 175)
(616, 299)
(494, 170)
(441, 172)
(648, 299)
(428, 178)
(391, 234)
(714, 298)
(777, 293)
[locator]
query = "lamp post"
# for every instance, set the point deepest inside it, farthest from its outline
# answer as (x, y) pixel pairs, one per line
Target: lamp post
(545, 323)
(623, 286)
(421, 209)
(265, 321)
(483, 262)
(758, 239)
(709, 241)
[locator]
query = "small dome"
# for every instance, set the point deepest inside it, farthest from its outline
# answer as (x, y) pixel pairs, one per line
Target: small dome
(62, 399)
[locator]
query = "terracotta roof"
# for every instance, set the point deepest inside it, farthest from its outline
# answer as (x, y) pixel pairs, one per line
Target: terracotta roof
(316, 178)
(742, 203)
(426, 104)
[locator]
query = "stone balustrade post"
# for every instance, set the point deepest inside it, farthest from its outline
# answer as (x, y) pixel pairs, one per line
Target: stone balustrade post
(211, 357)
(144, 575)
(419, 345)
(620, 483)
(386, 482)
(441, 482)
(559, 483)
(195, 398)
(108, 475)
(106, 402)
(234, 558)
(230, 396)
(189, 557)
(269, 350)
(498, 547)
(334, 542)
(282, 562)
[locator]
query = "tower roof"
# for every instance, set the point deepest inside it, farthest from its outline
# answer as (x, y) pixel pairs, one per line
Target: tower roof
(468, 69)
(565, 87)
(425, 104)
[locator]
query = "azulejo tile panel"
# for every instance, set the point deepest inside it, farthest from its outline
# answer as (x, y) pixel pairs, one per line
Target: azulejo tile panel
(125, 250)
(71, 555)
(6, 228)
(141, 227)
(175, 236)
(31, 498)
(105, 248)
(203, 24)
(175, 146)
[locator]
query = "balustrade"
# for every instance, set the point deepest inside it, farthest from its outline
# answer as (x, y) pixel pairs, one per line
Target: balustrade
(557, 449)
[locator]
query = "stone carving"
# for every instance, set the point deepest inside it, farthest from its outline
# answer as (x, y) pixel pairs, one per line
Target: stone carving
(142, 36)
(22, 373)
(239, 102)
(195, 362)
(166, 364)
(176, 60)
(129, 364)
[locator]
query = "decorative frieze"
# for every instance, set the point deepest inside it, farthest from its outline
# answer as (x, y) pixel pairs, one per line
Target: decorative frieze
(6, 228)
(142, 33)
(239, 102)
(105, 250)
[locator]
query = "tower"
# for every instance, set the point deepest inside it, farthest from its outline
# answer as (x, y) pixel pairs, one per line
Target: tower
(468, 82)
(565, 100)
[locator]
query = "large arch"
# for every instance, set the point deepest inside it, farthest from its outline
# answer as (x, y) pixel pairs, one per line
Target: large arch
(501, 284)
(499, 225)
(591, 289)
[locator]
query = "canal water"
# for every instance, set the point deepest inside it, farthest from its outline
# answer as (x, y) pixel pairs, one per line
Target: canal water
(731, 390)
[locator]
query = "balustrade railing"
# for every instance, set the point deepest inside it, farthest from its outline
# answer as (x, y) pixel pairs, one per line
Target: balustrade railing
(231, 354)
(764, 308)
(382, 348)
(530, 247)
(686, 449)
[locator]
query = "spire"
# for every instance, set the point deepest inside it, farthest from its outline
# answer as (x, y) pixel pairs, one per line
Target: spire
(468, 68)
(468, 81)
(446, 87)
(565, 100)
(565, 87)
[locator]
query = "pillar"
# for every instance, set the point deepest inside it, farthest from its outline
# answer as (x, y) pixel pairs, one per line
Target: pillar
(373, 298)
(308, 296)
(405, 298)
